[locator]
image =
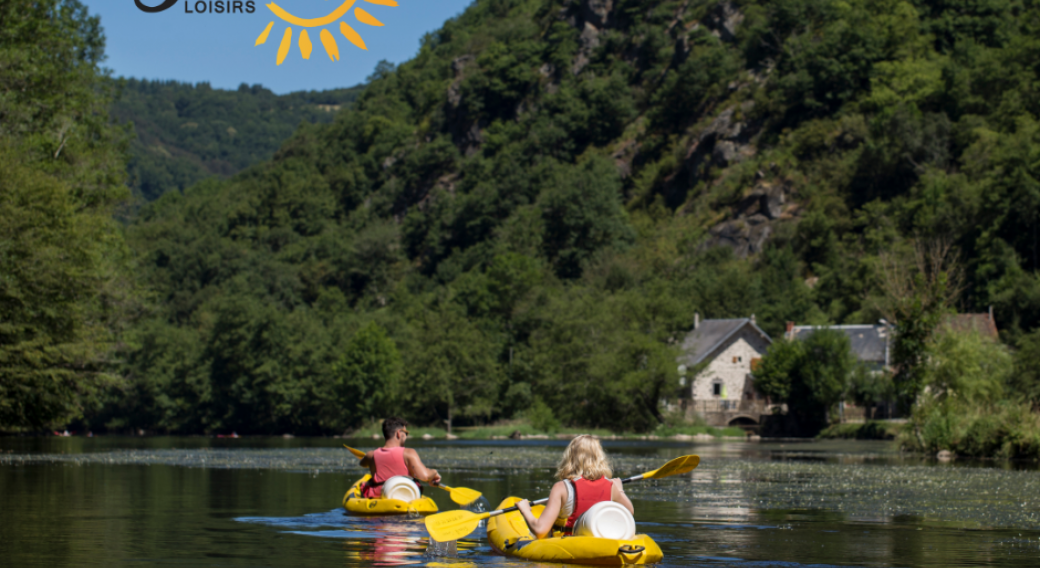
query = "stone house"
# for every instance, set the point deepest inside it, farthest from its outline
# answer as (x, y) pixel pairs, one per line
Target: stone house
(721, 355)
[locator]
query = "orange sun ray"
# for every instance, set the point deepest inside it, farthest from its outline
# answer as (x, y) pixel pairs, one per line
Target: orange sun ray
(283, 49)
(352, 35)
(390, 3)
(366, 18)
(305, 45)
(330, 45)
(263, 37)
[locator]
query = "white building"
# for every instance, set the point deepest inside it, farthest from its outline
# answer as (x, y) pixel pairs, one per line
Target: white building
(724, 352)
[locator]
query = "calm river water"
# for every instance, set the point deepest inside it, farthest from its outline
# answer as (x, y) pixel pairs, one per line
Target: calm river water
(272, 502)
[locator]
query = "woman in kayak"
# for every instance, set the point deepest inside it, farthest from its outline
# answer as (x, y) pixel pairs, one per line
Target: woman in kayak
(394, 459)
(584, 476)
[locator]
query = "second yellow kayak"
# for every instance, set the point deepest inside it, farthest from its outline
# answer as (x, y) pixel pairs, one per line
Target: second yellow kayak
(509, 535)
(354, 502)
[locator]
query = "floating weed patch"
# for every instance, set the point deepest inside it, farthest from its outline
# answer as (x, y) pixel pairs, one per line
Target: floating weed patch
(721, 489)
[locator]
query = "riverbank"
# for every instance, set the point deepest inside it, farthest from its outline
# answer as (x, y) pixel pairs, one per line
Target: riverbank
(1004, 430)
(521, 430)
(870, 430)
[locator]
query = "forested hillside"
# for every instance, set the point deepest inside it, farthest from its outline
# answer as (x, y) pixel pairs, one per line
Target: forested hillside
(186, 133)
(528, 213)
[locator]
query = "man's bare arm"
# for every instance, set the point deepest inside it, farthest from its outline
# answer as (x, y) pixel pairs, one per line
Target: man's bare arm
(419, 471)
(369, 461)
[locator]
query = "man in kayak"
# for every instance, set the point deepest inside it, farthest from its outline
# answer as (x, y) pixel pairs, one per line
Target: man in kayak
(394, 459)
(584, 475)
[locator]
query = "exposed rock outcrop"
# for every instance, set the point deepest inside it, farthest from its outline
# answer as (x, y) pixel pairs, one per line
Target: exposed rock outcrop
(724, 20)
(754, 219)
(465, 130)
(589, 42)
(725, 142)
(597, 12)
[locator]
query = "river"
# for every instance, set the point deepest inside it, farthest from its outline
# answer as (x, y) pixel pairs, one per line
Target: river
(115, 501)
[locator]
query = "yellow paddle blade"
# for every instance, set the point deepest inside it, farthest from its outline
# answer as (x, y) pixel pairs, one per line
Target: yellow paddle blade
(453, 525)
(357, 453)
(678, 466)
(461, 495)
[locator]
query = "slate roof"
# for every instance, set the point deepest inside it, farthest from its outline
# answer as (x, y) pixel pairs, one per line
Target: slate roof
(868, 341)
(711, 335)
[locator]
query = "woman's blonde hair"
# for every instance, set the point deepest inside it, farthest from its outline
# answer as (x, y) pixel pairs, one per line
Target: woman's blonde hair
(583, 457)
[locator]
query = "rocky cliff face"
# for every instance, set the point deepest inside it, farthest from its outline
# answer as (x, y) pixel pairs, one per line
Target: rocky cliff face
(726, 137)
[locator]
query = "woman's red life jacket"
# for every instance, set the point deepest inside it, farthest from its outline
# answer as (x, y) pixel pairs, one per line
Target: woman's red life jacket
(389, 463)
(586, 494)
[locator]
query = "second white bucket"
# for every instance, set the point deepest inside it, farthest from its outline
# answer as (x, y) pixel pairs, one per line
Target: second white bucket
(606, 519)
(402, 488)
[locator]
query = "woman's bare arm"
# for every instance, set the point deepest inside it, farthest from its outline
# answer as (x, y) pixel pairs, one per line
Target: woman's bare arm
(542, 525)
(617, 495)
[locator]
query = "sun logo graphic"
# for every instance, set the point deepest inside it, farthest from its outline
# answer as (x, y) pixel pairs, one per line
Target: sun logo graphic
(327, 38)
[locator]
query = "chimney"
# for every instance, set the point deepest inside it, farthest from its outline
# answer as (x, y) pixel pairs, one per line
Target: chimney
(991, 312)
(752, 318)
(789, 330)
(696, 320)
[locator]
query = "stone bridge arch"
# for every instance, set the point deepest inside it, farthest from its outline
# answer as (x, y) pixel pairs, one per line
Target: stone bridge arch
(743, 421)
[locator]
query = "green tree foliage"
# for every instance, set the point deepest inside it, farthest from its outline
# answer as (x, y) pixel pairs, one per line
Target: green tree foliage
(367, 376)
(583, 214)
(62, 292)
(967, 366)
(454, 374)
(963, 409)
(186, 133)
(1026, 377)
(918, 293)
(810, 376)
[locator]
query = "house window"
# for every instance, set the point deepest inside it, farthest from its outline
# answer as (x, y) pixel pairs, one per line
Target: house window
(716, 389)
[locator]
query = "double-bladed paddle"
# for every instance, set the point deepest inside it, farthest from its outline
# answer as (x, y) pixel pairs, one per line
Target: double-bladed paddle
(454, 525)
(461, 495)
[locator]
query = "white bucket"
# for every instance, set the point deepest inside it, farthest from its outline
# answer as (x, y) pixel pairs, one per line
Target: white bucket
(402, 488)
(606, 519)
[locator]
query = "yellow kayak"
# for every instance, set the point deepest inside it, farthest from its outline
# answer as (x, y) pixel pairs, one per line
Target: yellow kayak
(355, 503)
(509, 535)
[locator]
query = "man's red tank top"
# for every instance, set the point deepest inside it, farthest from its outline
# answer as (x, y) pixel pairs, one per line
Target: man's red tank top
(389, 463)
(586, 494)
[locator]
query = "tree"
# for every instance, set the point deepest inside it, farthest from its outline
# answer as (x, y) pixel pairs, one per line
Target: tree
(583, 214)
(1026, 376)
(452, 369)
(52, 355)
(966, 366)
(809, 375)
(917, 294)
(63, 290)
(367, 377)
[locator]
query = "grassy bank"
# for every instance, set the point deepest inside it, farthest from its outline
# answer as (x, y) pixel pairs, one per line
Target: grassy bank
(871, 430)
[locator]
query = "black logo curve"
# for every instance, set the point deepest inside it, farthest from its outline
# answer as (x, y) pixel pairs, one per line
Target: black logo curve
(166, 4)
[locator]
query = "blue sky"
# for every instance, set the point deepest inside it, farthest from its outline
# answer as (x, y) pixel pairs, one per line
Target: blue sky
(219, 48)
